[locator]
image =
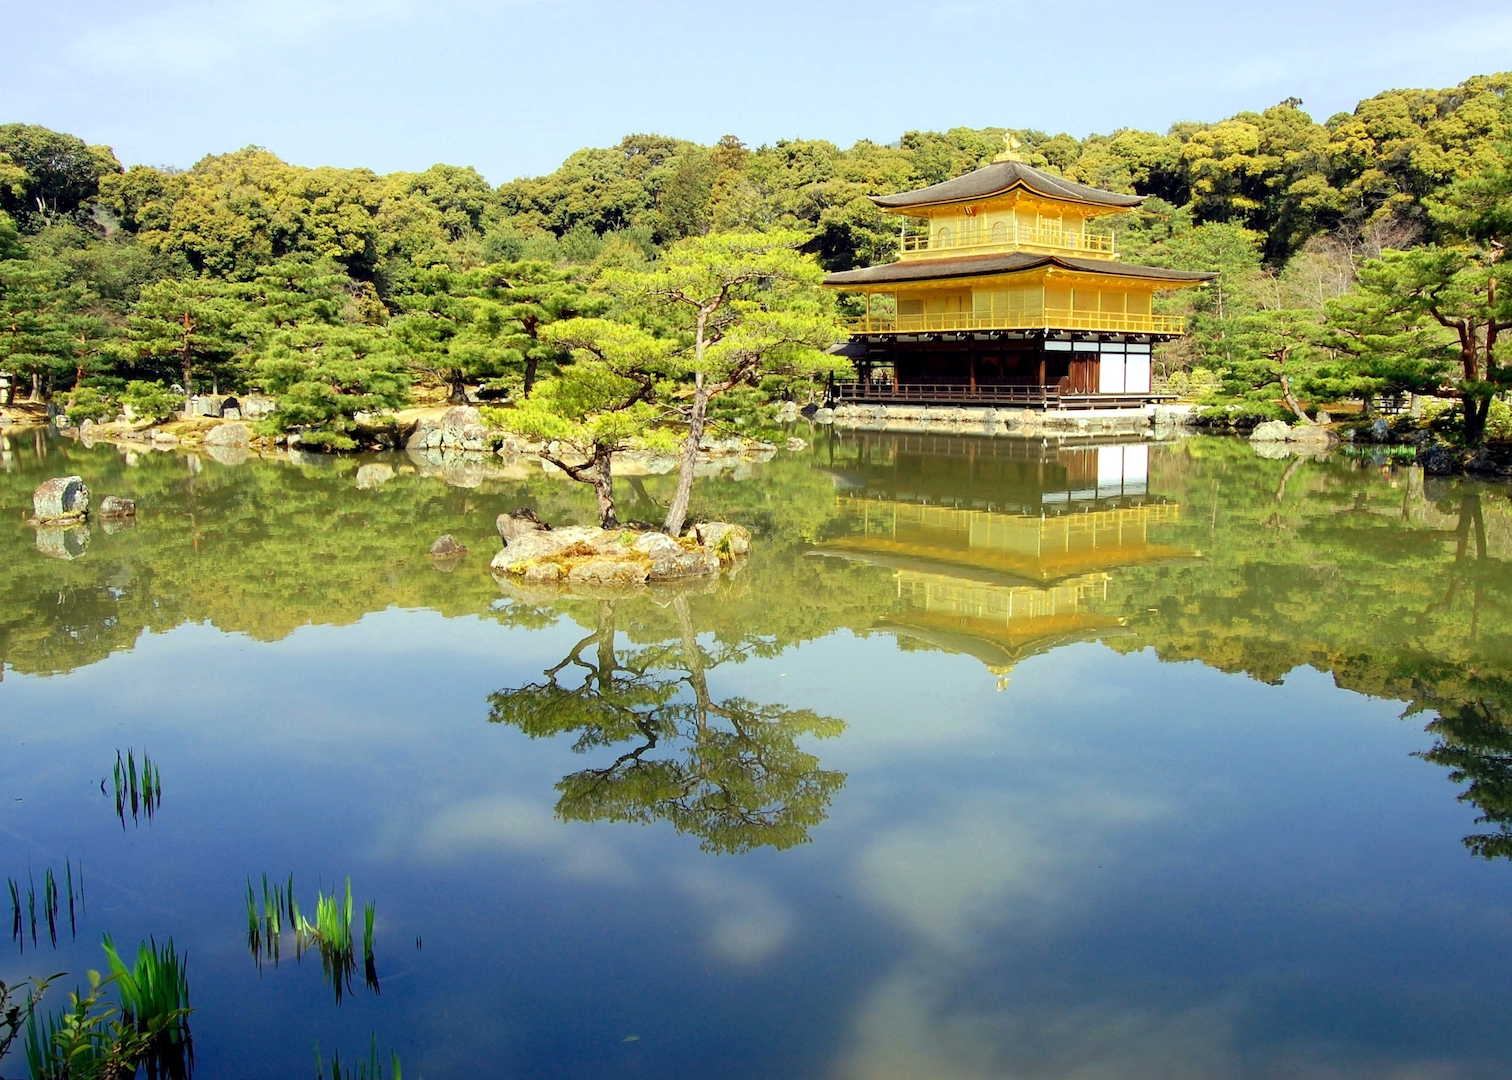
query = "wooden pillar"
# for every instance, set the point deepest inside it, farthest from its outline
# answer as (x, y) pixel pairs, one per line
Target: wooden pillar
(971, 364)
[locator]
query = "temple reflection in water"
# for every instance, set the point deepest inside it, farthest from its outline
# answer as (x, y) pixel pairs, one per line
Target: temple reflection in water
(1001, 548)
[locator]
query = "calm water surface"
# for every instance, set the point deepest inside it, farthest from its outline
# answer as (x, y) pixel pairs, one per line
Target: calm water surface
(995, 760)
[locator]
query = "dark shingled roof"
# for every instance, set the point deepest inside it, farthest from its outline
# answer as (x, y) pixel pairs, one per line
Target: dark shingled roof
(977, 265)
(999, 177)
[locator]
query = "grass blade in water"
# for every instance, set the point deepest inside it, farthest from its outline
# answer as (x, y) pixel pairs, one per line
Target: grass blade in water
(155, 996)
(369, 964)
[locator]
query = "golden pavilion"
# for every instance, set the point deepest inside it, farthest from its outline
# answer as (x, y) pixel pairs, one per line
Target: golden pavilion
(1007, 292)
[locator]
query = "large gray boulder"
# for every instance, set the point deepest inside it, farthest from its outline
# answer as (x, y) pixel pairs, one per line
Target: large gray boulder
(1437, 460)
(544, 544)
(234, 434)
(670, 560)
(1271, 431)
(61, 499)
(426, 436)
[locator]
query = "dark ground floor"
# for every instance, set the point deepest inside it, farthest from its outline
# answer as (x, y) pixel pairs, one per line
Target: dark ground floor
(1111, 370)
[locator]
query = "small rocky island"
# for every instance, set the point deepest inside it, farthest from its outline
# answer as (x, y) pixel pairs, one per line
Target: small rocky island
(535, 553)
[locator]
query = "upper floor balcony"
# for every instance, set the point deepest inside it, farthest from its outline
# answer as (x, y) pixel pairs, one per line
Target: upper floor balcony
(1045, 237)
(1030, 319)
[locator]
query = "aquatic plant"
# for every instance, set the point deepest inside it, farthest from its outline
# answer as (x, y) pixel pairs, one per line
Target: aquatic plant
(91, 1039)
(155, 1001)
(51, 907)
(369, 966)
(139, 789)
(330, 934)
(1395, 455)
(371, 1069)
(265, 928)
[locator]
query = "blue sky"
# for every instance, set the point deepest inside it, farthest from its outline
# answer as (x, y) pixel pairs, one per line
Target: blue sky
(513, 86)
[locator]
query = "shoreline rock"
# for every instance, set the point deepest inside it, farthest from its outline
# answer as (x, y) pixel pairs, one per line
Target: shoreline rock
(61, 500)
(588, 555)
(112, 506)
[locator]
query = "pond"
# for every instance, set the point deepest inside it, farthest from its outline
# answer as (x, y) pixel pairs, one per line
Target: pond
(994, 759)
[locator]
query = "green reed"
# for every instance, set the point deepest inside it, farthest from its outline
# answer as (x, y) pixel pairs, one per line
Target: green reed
(137, 788)
(154, 997)
(24, 917)
(371, 1069)
(330, 934)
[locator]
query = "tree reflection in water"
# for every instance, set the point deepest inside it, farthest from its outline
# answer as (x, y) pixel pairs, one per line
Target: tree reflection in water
(1474, 725)
(730, 772)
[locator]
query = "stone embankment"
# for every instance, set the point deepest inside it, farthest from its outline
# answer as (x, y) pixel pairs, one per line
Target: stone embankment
(536, 554)
(1161, 421)
(1382, 439)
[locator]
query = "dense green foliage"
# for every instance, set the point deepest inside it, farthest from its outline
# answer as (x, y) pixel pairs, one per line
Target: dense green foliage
(338, 290)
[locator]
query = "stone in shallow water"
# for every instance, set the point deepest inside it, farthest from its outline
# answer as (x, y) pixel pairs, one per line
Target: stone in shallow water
(63, 498)
(447, 547)
(112, 506)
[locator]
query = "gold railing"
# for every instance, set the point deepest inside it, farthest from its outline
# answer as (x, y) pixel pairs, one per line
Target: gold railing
(1005, 237)
(1037, 319)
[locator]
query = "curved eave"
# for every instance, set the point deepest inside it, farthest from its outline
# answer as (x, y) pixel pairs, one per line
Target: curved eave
(926, 270)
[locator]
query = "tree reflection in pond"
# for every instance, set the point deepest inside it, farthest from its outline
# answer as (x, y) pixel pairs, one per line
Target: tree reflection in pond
(729, 771)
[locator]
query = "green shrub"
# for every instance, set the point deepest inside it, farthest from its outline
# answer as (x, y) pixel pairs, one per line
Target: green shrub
(89, 403)
(150, 401)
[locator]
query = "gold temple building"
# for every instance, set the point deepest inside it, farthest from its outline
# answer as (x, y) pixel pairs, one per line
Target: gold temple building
(1007, 292)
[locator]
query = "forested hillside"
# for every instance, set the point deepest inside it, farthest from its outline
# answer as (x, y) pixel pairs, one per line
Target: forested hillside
(341, 289)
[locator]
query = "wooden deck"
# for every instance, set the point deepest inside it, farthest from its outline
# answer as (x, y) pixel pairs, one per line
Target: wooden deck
(1036, 397)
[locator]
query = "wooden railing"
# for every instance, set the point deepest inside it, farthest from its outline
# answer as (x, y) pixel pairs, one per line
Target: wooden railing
(1035, 319)
(1005, 237)
(1044, 397)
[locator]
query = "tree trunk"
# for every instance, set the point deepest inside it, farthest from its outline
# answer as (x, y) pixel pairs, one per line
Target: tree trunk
(531, 366)
(599, 472)
(458, 395)
(1476, 411)
(603, 486)
(188, 380)
(36, 390)
(1291, 399)
(677, 513)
